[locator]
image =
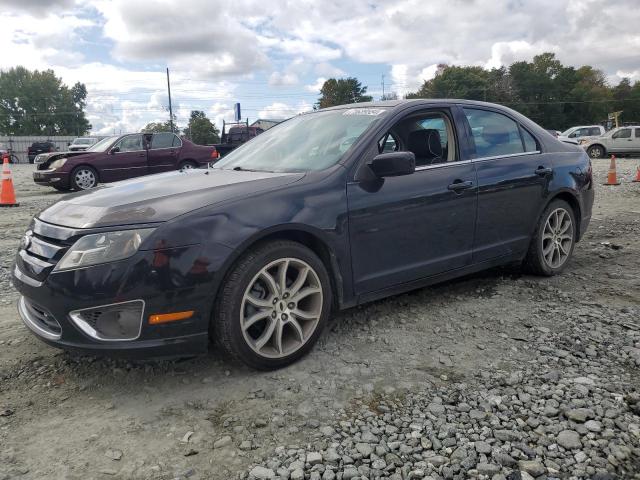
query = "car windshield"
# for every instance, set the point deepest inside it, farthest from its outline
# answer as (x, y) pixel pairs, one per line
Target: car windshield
(313, 141)
(567, 132)
(82, 141)
(102, 145)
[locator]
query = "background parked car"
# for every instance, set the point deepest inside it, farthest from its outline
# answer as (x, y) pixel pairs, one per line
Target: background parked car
(82, 143)
(237, 134)
(581, 133)
(120, 157)
(619, 141)
(37, 148)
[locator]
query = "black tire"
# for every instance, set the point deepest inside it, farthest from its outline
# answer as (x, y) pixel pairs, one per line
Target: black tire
(187, 164)
(596, 151)
(226, 327)
(536, 261)
(62, 189)
(77, 183)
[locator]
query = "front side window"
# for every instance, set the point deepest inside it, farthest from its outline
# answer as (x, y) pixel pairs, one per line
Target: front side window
(429, 135)
(495, 134)
(313, 141)
(131, 143)
(624, 133)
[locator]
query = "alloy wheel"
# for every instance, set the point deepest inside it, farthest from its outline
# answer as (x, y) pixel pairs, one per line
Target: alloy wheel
(281, 308)
(85, 178)
(595, 152)
(557, 238)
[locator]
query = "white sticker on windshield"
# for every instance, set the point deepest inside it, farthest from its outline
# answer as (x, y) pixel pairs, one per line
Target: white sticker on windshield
(363, 111)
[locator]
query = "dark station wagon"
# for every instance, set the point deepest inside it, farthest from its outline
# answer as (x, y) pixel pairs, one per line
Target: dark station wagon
(324, 211)
(118, 158)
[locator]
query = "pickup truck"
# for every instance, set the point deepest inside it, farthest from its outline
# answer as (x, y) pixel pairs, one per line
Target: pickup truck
(118, 158)
(237, 134)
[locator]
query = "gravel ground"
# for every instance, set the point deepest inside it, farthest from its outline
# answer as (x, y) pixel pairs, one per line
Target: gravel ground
(496, 375)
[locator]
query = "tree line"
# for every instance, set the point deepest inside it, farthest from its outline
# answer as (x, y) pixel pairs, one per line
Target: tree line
(554, 95)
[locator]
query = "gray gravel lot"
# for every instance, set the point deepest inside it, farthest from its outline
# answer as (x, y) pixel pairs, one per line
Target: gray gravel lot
(498, 375)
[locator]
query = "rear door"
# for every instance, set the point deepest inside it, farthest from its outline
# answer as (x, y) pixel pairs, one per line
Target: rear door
(164, 152)
(129, 159)
(635, 144)
(512, 183)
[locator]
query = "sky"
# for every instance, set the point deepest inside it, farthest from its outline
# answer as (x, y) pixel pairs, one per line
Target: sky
(273, 56)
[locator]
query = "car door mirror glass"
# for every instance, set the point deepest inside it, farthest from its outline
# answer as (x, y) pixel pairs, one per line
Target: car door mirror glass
(393, 164)
(114, 150)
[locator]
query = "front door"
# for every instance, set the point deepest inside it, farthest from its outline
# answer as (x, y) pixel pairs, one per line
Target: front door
(622, 141)
(414, 226)
(164, 150)
(129, 159)
(512, 182)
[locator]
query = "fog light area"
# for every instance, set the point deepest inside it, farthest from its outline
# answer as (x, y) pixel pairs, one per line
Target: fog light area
(120, 321)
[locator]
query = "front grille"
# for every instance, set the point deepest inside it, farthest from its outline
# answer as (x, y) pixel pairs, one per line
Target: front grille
(42, 249)
(39, 320)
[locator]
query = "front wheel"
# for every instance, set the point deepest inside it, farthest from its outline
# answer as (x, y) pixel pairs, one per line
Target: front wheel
(188, 165)
(84, 178)
(554, 239)
(273, 305)
(596, 151)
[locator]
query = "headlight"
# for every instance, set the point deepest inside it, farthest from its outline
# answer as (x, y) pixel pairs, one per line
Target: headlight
(57, 163)
(102, 248)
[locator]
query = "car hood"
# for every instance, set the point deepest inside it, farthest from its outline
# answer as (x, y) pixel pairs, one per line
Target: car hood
(45, 157)
(158, 198)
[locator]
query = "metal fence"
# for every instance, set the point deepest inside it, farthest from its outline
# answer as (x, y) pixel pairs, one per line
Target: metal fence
(19, 145)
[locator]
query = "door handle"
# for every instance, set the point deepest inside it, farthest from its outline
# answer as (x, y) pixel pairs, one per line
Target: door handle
(543, 171)
(458, 185)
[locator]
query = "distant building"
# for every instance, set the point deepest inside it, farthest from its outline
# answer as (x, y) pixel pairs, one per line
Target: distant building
(265, 123)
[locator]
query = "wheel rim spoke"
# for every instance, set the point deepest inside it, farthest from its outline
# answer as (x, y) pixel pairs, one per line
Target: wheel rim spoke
(278, 319)
(557, 238)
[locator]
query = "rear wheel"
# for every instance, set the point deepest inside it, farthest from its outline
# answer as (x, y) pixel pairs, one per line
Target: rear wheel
(273, 305)
(188, 165)
(553, 242)
(84, 178)
(596, 151)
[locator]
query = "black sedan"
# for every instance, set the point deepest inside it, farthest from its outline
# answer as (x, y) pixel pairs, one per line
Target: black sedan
(325, 211)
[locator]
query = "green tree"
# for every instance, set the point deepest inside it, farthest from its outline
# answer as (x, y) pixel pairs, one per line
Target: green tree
(158, 127)
(38, 103)
(455, 82)
(201, 130)
(342, 91)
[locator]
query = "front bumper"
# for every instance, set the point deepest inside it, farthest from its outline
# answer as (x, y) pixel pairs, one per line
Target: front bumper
(164, 281)
(52, 178)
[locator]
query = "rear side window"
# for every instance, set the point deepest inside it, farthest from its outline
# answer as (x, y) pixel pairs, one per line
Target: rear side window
(637, 132)
(164, 140)
(595, 131)
(624, 133)
(530, 144)
(497, 135)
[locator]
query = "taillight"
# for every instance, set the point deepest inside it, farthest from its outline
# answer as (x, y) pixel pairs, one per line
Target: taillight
(215, 154)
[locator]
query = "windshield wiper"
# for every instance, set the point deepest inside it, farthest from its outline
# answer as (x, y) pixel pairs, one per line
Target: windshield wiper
(242, 169)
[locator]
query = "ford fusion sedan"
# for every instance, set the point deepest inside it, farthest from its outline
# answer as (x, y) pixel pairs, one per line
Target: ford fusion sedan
(324, 211)
(118, 158)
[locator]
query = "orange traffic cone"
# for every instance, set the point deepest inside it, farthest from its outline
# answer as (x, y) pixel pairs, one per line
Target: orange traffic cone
(637, 179)
(7, 194)
(612, 179)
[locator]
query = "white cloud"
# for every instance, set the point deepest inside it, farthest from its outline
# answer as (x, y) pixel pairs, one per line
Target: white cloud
(281, 111)
(316, 87)
(325, 69)
(277, 79)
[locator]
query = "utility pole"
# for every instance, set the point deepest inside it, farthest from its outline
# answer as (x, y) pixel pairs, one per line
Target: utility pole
(383, 86)
(170, 110)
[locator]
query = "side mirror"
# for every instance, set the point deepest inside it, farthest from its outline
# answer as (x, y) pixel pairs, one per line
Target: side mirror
(393, 164)
(114, 150)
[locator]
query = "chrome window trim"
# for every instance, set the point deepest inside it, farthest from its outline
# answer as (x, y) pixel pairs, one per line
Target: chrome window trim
(91, 332)
(474, 160)
(510, 155)
(32, 325)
